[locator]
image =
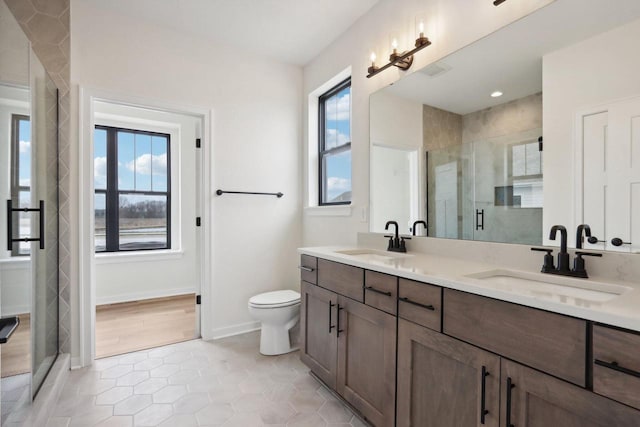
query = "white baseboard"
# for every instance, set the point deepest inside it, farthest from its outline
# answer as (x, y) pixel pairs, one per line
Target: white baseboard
(228, 331)
(15, 310)
(138, 296)
(75, 363)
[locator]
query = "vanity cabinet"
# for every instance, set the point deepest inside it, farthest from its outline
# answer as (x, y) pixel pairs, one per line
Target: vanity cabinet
(408, 353)
(349, 345)
(443, 381)
(317, 329)
(533, 399)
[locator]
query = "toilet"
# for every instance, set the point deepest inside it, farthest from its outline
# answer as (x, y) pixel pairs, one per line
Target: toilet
(278, 311)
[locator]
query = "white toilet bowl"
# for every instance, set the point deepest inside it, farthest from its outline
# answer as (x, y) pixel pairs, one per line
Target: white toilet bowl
(278, 311)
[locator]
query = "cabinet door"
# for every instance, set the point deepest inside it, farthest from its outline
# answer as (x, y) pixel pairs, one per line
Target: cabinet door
(443, 381)
(533, 399)
(317, 327)
(367, 360)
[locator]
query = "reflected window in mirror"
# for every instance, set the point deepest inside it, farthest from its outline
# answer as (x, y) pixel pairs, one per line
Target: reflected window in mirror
(132, 195)
(525, 166)
(21, 180)
(334, 145)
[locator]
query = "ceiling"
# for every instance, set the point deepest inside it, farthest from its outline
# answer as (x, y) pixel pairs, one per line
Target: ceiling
(292, 31)
(510, 60)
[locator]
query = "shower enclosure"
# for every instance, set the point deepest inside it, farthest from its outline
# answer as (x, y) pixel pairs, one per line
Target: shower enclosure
(489, 190)
(28, 219)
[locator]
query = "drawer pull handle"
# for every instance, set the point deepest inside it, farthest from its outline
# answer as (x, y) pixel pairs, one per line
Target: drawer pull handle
(338, 330)
(510, 386)
(483, 397)
(302, 267)
(428, 307)
(616, 367)
(378, 291)
(331, 305)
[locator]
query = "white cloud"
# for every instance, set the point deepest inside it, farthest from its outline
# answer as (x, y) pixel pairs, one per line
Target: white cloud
(334, 135)
(338, 185)
(100, 172)
(145, 163)
(340, 110)
(25, 146)
(25, 182)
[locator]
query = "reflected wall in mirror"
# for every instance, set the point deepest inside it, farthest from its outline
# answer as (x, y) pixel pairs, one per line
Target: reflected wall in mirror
(478, 118)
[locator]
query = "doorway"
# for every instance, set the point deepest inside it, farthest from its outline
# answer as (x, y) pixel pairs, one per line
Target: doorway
(147, 183)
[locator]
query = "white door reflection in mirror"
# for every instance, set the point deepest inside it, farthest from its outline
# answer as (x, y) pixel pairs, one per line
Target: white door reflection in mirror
(611, 174)
(446, 177)
(395, 183)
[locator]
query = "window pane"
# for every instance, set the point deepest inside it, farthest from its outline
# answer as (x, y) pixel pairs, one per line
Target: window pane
(100, 214)
(533, 159)
(337, 177)
(24, 149)
(143, 222)
(143, 162)
(343, 116)
(518, 160)
(159, 163)
(100, 159)
(126, 163)
(330, 116)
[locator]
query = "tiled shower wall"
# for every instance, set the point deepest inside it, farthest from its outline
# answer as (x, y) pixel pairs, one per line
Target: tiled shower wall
(46, 24)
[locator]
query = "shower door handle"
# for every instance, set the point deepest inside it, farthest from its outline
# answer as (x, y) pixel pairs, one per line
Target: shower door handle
(479, 219)
(10, 211)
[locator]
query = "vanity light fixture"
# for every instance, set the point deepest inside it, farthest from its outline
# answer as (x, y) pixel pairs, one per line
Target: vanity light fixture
(401, 60)
(496, 94)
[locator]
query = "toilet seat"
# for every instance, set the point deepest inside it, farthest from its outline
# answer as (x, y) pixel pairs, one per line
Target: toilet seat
(275, 299)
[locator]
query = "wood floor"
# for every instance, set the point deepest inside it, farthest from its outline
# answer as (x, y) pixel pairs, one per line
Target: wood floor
(16, 353)
(139, 325)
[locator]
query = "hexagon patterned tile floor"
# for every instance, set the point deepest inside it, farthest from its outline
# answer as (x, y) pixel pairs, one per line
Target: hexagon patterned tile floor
(199, 383)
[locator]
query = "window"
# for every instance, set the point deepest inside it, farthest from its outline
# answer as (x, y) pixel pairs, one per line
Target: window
(526, 173)
(132, 199)
(335, 145)
(21, 180)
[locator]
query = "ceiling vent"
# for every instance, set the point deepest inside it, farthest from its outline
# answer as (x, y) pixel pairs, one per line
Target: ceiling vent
(436, 69)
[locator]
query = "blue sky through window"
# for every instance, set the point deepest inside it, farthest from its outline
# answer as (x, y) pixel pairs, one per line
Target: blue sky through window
(24, 153)
(338, 132)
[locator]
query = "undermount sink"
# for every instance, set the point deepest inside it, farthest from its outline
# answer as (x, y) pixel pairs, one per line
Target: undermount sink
(373, 254)
(546, 286)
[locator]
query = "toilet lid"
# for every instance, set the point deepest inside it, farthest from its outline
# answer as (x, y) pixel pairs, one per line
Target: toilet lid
(275, 298)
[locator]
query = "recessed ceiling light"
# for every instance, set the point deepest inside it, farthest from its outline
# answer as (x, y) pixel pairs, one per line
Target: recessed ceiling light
(496, 94)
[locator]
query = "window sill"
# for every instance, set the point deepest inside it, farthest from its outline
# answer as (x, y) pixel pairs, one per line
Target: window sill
(338, 210)
(16, 263)
(140, 256)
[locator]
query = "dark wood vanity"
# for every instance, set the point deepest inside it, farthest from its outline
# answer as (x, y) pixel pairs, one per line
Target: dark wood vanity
(406, 353)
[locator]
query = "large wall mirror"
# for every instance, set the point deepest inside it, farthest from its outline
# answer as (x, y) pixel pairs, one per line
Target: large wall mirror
(534, 125)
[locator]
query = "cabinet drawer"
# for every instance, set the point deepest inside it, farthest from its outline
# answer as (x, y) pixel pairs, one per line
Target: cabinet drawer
(420, 303)
(550, 342)
(381, 291)
(616, 365)
(309, 269)
(342, 279)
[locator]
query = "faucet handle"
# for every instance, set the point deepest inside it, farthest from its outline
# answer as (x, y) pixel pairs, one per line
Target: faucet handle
(548, 259)
(593, 240)
(580, 254)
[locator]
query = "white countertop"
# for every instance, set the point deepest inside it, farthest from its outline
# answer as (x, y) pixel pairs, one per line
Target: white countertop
(622, 311)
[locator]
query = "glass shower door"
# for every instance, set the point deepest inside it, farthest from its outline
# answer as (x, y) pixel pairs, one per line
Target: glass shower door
(44, 193)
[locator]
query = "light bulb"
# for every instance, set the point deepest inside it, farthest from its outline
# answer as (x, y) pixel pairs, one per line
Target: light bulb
(496, 94)
(394, 44)
(372, 57)
(421, 28)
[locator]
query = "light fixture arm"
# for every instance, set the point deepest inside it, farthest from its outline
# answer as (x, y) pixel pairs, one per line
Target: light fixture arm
(402, 61)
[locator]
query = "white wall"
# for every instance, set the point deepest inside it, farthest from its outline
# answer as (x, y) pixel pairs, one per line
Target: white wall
(256, 107)
(126, 277)
(585, 75)
(451, 25)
